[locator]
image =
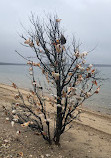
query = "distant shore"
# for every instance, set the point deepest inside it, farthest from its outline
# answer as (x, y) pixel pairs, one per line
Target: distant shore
(95, 65)
(2, 63)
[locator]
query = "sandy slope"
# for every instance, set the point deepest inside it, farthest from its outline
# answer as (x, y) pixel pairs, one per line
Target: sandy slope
(89, 137)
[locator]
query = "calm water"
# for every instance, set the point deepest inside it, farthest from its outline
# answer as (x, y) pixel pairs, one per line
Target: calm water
(19, 75)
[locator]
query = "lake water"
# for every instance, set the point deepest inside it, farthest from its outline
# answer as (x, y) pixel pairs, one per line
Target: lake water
(19, 75)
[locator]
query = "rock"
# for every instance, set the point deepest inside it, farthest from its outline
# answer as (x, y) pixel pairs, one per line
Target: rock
(47, 155)
(6, 141)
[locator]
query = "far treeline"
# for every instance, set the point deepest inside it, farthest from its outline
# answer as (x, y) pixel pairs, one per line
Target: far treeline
(2, 63)
(95, 65)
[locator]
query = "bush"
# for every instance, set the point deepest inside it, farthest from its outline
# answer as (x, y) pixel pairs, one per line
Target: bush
(70, 80)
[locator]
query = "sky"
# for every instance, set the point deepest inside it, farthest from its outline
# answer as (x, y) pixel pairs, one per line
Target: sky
(88, 20)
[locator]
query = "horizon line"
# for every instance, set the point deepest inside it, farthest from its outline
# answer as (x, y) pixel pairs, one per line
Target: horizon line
(6, 63)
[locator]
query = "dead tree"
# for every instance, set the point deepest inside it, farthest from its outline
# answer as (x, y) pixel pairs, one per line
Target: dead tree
(64, 68)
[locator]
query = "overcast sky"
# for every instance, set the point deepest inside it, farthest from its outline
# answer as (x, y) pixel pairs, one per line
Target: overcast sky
(88, 20)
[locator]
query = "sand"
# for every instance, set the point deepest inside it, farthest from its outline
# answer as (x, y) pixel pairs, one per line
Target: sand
(89, 137)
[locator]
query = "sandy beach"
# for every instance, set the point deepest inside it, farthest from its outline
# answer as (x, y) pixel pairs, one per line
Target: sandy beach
(89, 137)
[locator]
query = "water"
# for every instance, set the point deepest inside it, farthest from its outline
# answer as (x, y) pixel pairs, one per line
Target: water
(19, 75)
(102, 101)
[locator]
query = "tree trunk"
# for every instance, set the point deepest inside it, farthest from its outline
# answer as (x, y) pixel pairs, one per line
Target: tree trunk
(58, 125)
(59, 117)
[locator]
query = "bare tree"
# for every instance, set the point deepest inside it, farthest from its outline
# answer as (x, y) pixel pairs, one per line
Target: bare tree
(65, 70)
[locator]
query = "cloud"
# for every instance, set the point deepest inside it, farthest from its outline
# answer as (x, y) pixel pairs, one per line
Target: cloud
(88, 20)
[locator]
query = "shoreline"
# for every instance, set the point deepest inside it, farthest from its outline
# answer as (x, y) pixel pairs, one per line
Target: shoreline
(87, 116)
(90, 135)
(85, 108)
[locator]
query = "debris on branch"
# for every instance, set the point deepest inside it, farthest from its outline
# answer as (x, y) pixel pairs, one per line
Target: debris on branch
(69, 82)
